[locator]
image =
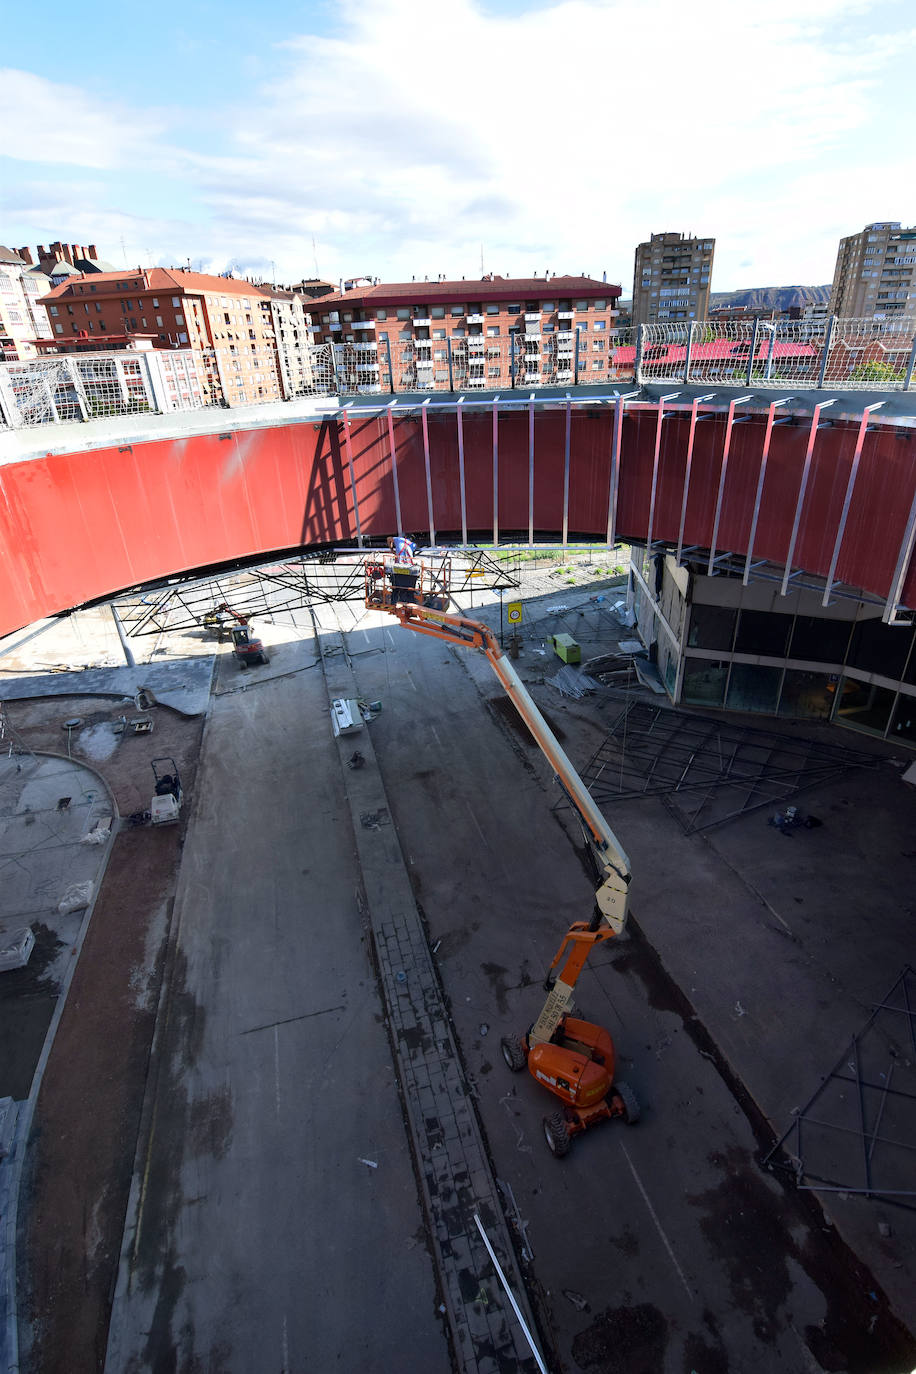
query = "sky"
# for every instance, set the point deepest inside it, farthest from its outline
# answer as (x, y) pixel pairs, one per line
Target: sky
(399, 139)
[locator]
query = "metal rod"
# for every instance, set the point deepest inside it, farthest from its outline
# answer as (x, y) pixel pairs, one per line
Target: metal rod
(429, 481)
(349, 447)
(566, 470)
(464, 509)
(752, 355)
(531, 469)
(451, 378)
(394, 466)
(904, 558)
(908, 380)
(762, 473)
(800, 500)
(723, 469)
(616, 435)
(495, 472)
(828, 344)
(509, 1294)
(390, 368)
(853, 474)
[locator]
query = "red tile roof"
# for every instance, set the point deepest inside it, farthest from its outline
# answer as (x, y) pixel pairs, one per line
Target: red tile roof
(160, 279)
(498, 289)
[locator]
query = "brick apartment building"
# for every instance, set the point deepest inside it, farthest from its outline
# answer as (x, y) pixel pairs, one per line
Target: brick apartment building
(671, 279)
(482, 333)
(227, 324)
(875, 274)
(23, 319)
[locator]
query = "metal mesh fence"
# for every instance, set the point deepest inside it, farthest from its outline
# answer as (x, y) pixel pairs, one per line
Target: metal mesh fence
(92, 386)
(849, 354)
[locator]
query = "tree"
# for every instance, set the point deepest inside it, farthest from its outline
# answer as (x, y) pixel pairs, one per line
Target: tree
(875, 372)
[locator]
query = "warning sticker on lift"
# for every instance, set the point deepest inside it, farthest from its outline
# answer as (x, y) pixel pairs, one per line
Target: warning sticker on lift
(514, 612)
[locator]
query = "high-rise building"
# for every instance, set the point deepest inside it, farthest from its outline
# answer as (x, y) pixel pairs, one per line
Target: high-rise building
(875, 274)
(671, 279)
(228, 323)
(488, 332)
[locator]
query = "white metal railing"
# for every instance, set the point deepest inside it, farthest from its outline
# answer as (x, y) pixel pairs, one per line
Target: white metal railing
(847, 354)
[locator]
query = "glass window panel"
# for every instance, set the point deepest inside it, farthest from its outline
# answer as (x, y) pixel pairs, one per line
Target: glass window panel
(878, 648)
(903, 725)
(822, 641)
(753, 687)
(762, 632)
(704, 682)
(865, 707)
(711, 627)
(807, 696)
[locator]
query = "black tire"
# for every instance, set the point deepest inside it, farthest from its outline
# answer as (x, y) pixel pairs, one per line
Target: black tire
(513, 1052)
(625, 1094)
(264, 659)
(556, 1133)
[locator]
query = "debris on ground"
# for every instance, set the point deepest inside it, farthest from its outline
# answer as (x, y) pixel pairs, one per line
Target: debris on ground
(572, 682)
(790, 820)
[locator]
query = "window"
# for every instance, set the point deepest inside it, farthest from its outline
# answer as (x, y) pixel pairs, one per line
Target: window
(176, 301)
(514, 309)
(103, 326)
(58, 328)
(98, 307)
(600, 324)
(493, 331)
(457, 310)
(597, 345)
(347, 316)
(438, 312)
(403, 313)
(182, 338)
(53, 309)
(159, 321)
(438, 333)
(156, 302)
(582, 305)
(547, 306)
(600, 305)
(492, 308)
(381, 314)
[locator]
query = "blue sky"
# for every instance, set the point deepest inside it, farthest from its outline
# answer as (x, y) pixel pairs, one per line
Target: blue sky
(399, 138)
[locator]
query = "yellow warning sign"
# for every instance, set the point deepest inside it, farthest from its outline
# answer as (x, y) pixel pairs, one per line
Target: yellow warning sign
(514, 611)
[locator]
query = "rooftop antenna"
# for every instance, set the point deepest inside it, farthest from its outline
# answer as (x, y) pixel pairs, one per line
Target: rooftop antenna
(482, 273)
(315, 257)
(123, 251)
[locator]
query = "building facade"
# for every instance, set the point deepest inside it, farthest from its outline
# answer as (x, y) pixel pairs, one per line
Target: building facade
(875, 274)
(671, 279)
(721, 644)
(292, 337)
(23, 320)
(227, 323)
(492, 332)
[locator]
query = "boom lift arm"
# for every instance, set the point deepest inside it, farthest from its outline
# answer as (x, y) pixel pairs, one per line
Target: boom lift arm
(611, 859)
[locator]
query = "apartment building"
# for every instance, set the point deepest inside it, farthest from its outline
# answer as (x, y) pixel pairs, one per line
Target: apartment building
(875, 274)
(671, 279)
(228, 324)
(22, 319)
(292, 338)
(491, 332)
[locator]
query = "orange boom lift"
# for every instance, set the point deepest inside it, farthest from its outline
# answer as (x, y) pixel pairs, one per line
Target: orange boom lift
(571, 1058)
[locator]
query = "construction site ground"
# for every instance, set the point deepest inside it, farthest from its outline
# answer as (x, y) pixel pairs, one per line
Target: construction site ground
(218, 1147)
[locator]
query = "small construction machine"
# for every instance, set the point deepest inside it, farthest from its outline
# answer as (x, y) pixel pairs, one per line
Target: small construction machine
(246, 648)
(571, 1058)
(166, 802)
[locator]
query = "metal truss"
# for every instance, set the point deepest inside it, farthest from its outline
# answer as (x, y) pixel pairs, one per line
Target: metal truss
(331, 575)
(857, 1133)
(715, 771)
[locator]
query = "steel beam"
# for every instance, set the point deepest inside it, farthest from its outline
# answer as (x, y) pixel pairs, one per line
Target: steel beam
(904, 557)
(464, 508)
(802, 486)
(495, 472)
(566, 469)
(694, 418)
(349, 447)
(394, 466)
(531, 468)
(429, 481)
(771, 415)
(723, 470)
(844, 514)
(655, 461)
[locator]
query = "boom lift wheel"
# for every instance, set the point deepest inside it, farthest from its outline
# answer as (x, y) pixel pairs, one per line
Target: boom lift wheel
(630, 1102)
(513, 1052)
(556, 1133)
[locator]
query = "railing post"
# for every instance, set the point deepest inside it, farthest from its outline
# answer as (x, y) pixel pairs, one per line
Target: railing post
(910, 366)
(451, 374)
(512, 359)
(9, 410)
(79, 389)
(828, 344)
(770, 351)
(390, 368)
(640, 347)
(152, 365)
(690, 330)
(576, 359)
(335, 368)
(752, 356)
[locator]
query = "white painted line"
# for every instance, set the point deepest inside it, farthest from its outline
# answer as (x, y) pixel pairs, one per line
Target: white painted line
(509, 1294)
(436, 733)
(477, 824)
(411, 681)
(277, 1069)
(389, 634)
(658, 1225)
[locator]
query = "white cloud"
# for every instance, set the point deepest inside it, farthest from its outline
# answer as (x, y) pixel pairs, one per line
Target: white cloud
(556, 139)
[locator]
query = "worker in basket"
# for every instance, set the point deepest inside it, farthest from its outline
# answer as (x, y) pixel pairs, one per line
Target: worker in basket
(404, 571)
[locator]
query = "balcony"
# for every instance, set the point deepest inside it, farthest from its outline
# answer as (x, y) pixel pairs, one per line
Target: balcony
(566, 314)
(335, 325)
(533, 317)
(421, 322)
(364, 324)
(475, 319)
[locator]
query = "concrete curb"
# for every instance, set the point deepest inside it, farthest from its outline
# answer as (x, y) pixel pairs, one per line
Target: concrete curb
(12, 1167)
(452, 1166)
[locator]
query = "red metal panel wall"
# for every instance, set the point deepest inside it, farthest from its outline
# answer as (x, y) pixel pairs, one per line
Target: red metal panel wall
(76, 527)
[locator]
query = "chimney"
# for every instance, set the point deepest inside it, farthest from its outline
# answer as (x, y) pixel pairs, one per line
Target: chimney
(25, 255)
(66, 253)
(91, 251)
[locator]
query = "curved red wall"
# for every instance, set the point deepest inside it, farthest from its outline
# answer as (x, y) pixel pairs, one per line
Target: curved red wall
(80, 526)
